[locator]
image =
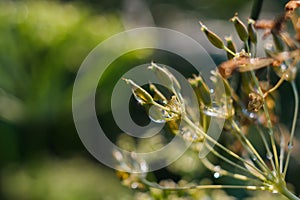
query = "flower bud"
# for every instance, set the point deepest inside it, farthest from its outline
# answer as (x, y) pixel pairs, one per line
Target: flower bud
(252, 31)
(212, 37)
(201, 90)
(165, 76)
(240, 28)
(230, 46)
(141, 95)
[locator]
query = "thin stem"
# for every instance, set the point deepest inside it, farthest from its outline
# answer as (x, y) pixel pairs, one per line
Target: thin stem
(256, 8)
(290, 145)
(188, 121)
(266, 146)
(255, 50)
(229, 51)
(222, 172)
(247, 47)
(282, 147)
(201, 187)
(288, 194)
(258, 175)
(271, 133)
(276, 86)
(250, 148)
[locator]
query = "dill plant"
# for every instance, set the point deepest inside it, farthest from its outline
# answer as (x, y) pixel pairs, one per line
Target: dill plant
(251, 105)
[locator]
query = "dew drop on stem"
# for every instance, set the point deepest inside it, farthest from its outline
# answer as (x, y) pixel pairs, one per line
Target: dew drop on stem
(290, 146)
(157, 115)
(254, 158)
(269, 156)
(217, 173)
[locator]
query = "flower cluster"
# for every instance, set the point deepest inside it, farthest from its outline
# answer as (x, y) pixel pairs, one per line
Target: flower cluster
(247, 108)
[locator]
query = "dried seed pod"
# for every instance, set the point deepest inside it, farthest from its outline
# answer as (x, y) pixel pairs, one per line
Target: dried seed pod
(201, 89)
(264, 24)
(141, 95)
(297, 36)
(204, 99)
(292, 5)
(243, 64)
(212, 37)
(165, 76)
(240, 28)
(230, 46)
(252, 31)
(255, 102)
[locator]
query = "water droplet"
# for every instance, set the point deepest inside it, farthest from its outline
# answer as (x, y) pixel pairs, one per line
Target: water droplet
(269, 155)
(144, 166)
(195, 137)
(157, 115)
(283, 67)
(249, 114)
(290, 146)
(254, 158)
(217, 173)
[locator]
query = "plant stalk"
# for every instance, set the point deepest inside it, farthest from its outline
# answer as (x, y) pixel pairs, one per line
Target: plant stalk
(288, 194)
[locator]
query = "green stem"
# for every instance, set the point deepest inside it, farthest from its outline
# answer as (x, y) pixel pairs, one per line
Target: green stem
(228, 151)
(258, 175)
(290, 145)
(270, 126)
(256, 8)
(288, 194)
(229, 51)
(202, 187)
(250, 148)
(266, 147)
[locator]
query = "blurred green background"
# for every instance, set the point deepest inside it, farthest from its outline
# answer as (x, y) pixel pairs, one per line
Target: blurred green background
(42, 44)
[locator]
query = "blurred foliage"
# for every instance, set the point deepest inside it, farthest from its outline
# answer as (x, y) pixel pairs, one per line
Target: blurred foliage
(41, 48)
(68, 179)
(42, 45)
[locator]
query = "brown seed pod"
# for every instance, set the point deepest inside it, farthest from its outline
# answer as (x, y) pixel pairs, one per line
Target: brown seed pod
(292, 5)
(275, 26)
(264, 24)
(255, 102)
(297, 36)
(243, 64)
